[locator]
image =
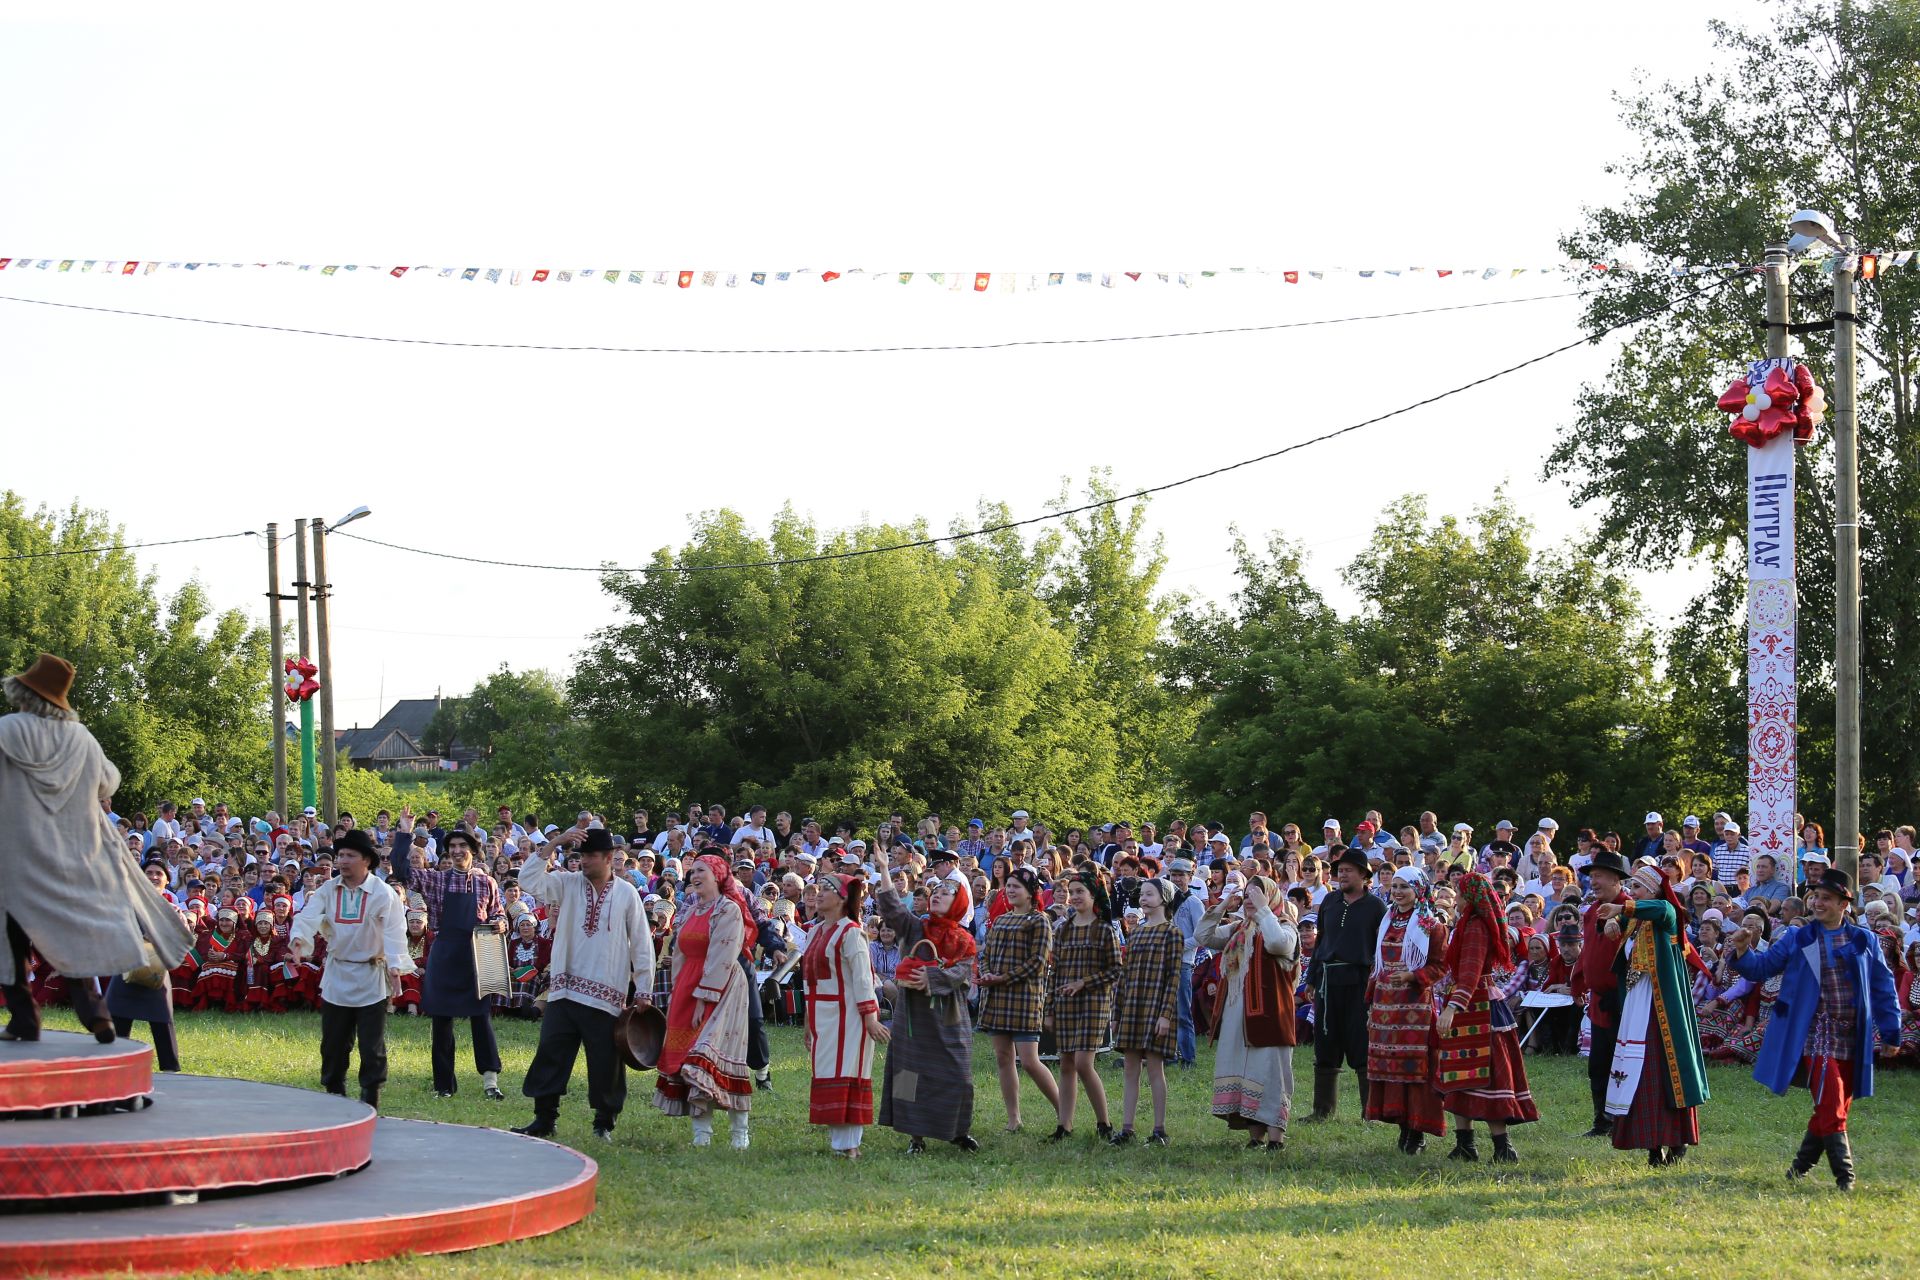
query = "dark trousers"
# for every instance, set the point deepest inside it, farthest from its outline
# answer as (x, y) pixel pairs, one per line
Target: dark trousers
(340, 1026)
(566, 1028)
(1562, 1031)
(1339, 1040)
(23, 1017)
(166, 1048)
(486, 1051)
(1599, 1065)
(758, 1056)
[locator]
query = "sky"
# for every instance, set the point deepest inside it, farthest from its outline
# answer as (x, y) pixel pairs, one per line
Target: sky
(859, 138)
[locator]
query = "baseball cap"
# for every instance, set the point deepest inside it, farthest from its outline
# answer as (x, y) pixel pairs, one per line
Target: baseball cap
(197, 800)
(975, 822)
(1653, 817)
(1462, 829)
(1021, 813)
(1503, 825)
(1548, 824)
(1331, 824)
(1814, 855)
(1733, 827)
(1690, 821)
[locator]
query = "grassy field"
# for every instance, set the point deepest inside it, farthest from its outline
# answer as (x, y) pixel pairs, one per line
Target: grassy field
(1339, 1202)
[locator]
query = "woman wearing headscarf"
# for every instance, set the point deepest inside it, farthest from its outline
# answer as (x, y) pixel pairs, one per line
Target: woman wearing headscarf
(220, 952)
(259, 968)
(1481, 1075)
(1147, 1008)
(1658, 1078)
(1086, 965)
(843, 1016)
(1400, 1022)
(419, 944)
(1253, 1018)
(703, 1064)
(1013, 970)
(528, 955)
(927, 1091)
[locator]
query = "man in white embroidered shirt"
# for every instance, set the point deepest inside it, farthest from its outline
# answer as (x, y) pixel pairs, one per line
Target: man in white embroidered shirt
(364, 923)
(602, 948)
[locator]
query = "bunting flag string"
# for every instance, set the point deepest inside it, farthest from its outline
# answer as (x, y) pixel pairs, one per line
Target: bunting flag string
(1867, 264)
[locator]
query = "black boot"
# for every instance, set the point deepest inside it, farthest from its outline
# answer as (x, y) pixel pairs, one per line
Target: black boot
(1840, 1160)
(1806, 1157)
(1503, 1152)
(1326, 1094)
(1602, 1126)
(1405, 1134)
(1464, 1147)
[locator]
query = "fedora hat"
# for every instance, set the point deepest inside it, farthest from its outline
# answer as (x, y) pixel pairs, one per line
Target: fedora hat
(51, 678)
(1608, 860)
(639, 1033)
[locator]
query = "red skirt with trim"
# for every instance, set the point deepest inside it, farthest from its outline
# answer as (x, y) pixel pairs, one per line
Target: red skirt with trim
(1503, 1098)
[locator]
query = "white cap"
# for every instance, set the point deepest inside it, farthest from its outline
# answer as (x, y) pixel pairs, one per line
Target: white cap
(1503, 825)
(1689, 821)
(197, 800)
(1814, 855)
(1462, 829)
(1733, 827)
(1020, 813)
(1724, 816)
(549, 829)
(1548, 824)
(1653, 817)
(1220, 838)
(855, 844)
(308, 812)
(1331, 824)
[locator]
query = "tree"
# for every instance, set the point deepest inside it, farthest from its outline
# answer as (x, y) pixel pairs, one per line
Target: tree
(176, 694)
(530, 745)
(1721, 161)
(1478, 677)
(847, 684)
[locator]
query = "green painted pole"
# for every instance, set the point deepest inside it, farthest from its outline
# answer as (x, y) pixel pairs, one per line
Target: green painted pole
(309, 779)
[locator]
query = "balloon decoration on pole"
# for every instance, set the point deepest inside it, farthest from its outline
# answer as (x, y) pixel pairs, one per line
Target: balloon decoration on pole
(1774, 409)
(302, 684)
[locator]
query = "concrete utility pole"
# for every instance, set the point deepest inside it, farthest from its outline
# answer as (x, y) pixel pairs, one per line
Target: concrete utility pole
(1846, 558)
(279, 673)
(329, 756)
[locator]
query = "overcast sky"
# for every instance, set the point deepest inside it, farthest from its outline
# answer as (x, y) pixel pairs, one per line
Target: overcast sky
(989, 137)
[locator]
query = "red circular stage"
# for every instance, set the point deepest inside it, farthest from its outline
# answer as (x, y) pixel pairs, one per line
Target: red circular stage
(64, 1069)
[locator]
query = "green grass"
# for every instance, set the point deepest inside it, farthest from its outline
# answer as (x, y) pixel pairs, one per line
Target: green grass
(1339, 1202)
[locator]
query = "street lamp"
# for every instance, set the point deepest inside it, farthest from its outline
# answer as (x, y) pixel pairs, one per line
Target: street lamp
(1810, 227)
(322, 591)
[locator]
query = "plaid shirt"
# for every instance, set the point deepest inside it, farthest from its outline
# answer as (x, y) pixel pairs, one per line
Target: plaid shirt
(1832, 1032)
(433, 887)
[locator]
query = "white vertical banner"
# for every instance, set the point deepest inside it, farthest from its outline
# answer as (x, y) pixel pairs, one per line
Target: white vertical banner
(1773, 751)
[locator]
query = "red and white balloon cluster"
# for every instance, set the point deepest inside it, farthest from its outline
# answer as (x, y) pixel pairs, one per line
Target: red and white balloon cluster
(301, 684)
(1786, 398)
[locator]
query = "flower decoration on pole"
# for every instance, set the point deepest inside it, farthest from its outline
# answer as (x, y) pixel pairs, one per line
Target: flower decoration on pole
(1775, 396)
(301, 684)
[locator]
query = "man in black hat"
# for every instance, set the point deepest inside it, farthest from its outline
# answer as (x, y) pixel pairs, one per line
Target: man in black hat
(602, 962)
(1835, 992)
(1595, 982)
(1349, 926)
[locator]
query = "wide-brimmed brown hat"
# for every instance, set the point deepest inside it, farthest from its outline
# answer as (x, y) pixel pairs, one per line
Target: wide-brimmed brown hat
(51, 678)
(639, 1033)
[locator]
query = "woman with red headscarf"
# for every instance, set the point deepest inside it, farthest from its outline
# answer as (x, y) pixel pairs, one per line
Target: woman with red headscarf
(703, 1064)
(1480, 1073)
(843, 1015)
(927, 1091)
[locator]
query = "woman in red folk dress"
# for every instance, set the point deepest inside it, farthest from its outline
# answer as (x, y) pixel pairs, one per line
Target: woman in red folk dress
(843, 1015)
(703, 1064)
(1407, 963)
(1481, 1074)
(264, 954)
(220, 954)
(419, 942)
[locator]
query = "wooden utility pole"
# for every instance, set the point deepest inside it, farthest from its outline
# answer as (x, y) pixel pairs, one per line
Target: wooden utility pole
(279, 673)
(1846, 603)
(329, 755)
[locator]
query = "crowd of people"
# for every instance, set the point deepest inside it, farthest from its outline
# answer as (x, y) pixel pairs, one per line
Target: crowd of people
(1426, 961)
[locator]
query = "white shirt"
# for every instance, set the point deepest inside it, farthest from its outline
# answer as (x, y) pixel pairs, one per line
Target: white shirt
(366, 933)
(763, 834)
(601, 942)
(166, 829)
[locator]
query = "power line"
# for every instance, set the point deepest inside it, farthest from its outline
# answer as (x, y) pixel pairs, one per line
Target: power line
(124, 546)
(922, 543)
(800, 351)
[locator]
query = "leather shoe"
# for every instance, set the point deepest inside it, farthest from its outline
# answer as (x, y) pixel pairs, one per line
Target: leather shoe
(535, 1129)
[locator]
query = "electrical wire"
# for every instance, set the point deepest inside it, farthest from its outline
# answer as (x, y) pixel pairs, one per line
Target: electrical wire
(802, 351)
(1149, 491)
(124, 546)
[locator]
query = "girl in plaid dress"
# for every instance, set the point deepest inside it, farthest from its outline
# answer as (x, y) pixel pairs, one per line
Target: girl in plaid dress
(1145, 1009)
(1013, 967)
(1086, 965)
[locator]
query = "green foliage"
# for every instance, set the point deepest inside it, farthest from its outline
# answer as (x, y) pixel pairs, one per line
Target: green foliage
(968, 680)
(176, 694)
(1479, 679)
(529, 742)
(1721, 161)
